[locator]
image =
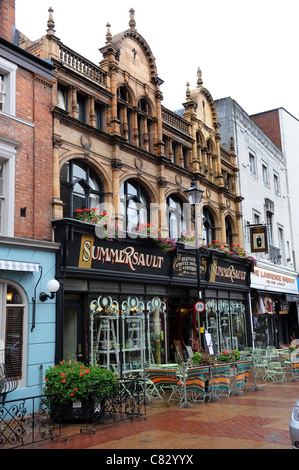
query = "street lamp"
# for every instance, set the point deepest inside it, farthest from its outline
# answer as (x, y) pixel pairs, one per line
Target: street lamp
(194, 195)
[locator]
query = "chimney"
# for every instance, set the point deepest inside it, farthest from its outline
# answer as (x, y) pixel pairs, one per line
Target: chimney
(7, 19)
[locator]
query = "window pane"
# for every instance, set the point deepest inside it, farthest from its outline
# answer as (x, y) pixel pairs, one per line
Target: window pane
(14, 339)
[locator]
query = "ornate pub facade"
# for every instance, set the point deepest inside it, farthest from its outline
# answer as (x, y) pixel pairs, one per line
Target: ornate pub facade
(121, 158)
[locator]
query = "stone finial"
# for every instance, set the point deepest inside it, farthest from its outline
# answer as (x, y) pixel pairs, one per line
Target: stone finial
(50, 22)
(199, 78)
(188, 92)
(108, 34)
(132, 22)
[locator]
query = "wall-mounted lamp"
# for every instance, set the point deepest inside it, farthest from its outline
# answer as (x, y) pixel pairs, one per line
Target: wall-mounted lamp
(52, 287)
(246, 165)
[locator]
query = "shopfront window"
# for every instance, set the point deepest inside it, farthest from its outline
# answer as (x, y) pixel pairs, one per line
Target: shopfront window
(127, 331)
(225, 321)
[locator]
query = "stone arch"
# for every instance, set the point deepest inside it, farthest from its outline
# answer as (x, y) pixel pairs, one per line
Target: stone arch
(141, 179)
(94, 163)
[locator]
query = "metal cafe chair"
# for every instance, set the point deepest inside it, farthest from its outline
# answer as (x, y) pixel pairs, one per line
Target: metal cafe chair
(275, 371)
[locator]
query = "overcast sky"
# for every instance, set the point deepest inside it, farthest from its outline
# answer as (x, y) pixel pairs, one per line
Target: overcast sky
(247, 50)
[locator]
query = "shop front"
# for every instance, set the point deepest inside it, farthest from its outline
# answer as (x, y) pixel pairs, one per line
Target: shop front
(225, 293)
(274, 303)
(26, 334)
(112, 305)
(124, 303)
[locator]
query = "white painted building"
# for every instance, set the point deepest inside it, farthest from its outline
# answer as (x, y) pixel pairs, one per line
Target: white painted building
(267, 173)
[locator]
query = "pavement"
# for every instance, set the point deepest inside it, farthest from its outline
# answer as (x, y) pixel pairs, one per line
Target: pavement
(255, 420)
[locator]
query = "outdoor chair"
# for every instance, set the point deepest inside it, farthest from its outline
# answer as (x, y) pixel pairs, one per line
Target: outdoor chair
(242, 374)
(196, 379)
(260, 367)
(162, 378)
(220, 380)
(275, 372)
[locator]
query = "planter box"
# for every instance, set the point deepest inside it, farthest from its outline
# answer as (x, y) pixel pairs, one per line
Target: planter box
(78, 411)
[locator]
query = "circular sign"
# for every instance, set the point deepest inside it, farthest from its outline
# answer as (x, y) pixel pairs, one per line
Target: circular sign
(200, 306)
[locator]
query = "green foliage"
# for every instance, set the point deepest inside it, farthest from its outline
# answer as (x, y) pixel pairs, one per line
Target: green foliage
(229, 356)
(201, 358)
(70, 381)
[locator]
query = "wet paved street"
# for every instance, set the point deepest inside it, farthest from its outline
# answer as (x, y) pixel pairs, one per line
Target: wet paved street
(256, 420)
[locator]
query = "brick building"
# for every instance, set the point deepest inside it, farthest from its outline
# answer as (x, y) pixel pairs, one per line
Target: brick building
(27, 254)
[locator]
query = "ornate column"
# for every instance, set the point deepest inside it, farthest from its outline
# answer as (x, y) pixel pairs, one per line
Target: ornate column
(56, 201)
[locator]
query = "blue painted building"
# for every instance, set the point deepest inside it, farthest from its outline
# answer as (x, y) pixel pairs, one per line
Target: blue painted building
(27, 324)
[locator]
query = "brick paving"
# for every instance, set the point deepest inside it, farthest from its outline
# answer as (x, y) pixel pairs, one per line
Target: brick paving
(256, 420)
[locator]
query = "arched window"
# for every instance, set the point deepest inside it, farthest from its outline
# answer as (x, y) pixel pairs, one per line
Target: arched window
(208, 226)
(135, 205)
(13, 334)
(174, 208)
(228, 231)
(80, 187)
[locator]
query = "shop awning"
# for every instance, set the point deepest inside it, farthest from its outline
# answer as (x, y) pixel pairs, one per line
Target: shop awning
(18, 265)
(292, 298)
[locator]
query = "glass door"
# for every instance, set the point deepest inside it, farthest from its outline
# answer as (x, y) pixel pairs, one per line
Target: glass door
(157, 340)
(133, 333)
(225, 334)
(73, 329)
(211, 323)
(237, 309)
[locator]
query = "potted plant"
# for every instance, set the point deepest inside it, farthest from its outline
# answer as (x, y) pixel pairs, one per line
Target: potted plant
(229, 356)
(202, 359)
(77, 392)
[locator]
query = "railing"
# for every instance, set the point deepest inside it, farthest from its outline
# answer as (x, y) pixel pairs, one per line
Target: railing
(82, 65)
(34, 419)
(8, 380)
(176, 121)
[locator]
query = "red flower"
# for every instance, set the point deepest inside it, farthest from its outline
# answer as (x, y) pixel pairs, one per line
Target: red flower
(63, 381)
(79, 210)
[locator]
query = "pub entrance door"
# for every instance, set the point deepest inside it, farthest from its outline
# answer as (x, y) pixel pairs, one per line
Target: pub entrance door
(73, 328)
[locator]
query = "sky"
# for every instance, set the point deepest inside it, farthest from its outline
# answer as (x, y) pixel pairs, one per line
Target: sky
(246, 49)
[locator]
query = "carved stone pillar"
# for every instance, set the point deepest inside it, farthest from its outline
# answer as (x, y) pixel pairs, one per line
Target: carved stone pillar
(116, 166)
(115, 124)
(57, 204)
(74, 104)
(160, 143)
(91, 112)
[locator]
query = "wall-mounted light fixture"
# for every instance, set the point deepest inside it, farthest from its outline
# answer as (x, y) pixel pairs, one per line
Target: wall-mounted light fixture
(52, 287)
(246, 165)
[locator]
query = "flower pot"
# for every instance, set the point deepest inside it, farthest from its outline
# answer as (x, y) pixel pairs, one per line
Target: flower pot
(78, 411)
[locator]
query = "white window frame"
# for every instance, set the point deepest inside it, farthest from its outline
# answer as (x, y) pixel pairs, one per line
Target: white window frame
(3, 290)
(8, 150)
(9, 71)
(265, 174)
(252, 162)
(276, 186)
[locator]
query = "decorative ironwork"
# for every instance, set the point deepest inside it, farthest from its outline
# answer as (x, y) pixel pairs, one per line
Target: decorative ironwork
(27, 421)
(8, 380)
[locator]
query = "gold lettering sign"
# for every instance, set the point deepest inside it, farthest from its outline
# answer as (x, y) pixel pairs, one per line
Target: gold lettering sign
(85, 256)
